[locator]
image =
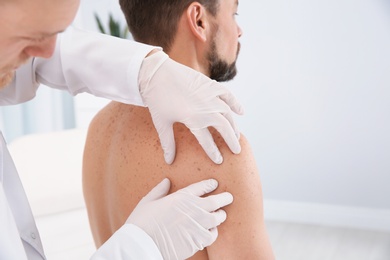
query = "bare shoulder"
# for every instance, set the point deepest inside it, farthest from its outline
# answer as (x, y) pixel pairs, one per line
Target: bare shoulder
(243, 235)
(124, 140)
(237, 170)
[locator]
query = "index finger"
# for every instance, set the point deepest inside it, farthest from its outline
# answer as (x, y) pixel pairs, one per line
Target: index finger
(215, 202)
(201, 188)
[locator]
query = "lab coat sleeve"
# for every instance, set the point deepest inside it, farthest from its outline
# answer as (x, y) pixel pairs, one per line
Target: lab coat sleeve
(130, 243)
(94, 63)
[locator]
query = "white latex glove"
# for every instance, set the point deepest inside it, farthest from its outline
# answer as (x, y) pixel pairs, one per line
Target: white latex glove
(176, 93)
(183, 222)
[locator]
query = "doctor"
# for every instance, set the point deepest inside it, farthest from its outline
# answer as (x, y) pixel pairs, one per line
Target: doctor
(180, 223)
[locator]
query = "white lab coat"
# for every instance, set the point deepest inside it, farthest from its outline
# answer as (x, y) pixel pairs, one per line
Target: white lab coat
(82, 62)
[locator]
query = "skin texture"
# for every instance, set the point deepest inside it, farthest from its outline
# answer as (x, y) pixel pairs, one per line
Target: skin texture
(28, 29)
(123, 159)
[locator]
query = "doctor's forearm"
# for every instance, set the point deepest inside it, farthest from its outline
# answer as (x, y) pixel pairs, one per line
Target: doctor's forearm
(89, 62)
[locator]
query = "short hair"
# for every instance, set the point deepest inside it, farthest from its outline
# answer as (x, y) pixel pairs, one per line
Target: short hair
(155, 22)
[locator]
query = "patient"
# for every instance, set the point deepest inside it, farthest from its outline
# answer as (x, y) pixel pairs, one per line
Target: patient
(123, 159)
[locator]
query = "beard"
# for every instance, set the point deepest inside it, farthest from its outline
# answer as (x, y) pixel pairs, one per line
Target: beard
(219, 69)
(6, 79)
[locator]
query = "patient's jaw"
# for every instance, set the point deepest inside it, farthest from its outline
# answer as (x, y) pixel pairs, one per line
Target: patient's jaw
(209, 44)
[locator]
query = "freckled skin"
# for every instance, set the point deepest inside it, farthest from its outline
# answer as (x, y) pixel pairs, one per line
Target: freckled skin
(123, 161)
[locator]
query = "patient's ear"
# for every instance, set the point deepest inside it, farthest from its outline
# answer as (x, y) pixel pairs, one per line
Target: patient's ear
(197, 20)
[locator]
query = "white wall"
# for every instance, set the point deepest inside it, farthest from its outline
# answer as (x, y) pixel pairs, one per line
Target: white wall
(314, 77)
(315, 80)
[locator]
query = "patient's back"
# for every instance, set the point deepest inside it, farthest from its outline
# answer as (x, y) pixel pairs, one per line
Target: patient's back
(123, 161)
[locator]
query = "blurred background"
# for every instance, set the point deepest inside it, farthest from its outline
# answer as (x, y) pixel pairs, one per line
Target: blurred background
(314, 78)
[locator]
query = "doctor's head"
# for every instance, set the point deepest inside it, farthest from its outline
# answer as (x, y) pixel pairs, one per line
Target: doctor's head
(200, 34)
(29, 28)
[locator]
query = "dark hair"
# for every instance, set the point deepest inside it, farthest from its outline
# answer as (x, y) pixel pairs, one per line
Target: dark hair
(155, 22)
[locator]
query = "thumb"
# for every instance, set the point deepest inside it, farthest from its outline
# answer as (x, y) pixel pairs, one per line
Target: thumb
(159, 191)
(232, 102)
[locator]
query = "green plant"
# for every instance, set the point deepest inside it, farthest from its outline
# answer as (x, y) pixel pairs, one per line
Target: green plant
(113, 26)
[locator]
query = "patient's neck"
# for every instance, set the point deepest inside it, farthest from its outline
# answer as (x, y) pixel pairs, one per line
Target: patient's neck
(189, 55)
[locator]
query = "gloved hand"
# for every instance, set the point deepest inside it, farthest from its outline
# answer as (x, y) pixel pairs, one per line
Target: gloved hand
(183, 222)
(176, 93)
